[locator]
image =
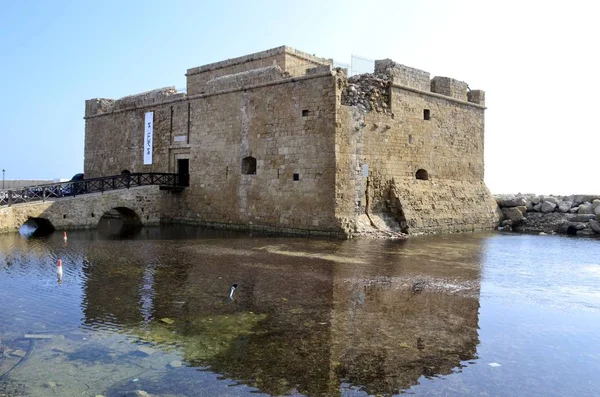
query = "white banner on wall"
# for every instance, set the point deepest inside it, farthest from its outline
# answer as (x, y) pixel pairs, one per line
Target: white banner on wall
(148, 132)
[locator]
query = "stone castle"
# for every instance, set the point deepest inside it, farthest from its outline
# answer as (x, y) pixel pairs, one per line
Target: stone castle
(281, 140)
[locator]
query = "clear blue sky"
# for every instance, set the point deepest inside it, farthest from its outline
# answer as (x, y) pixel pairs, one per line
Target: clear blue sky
(535, 60)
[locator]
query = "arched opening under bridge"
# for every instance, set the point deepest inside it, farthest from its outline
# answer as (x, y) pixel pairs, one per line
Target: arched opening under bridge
(121, 221)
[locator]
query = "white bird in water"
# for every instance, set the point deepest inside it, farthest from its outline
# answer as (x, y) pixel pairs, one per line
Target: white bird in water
(231, 289)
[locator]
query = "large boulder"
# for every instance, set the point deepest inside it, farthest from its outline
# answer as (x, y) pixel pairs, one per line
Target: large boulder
(580, 198)
(585, 232)
(582, 217)
(537, 207)
(596, 203)
(535, 200)
(551, 199)
(586, 208)
(565, 206)
(575, 199)
(595, 225)
(548, 206)
(522, 208)
(597, 210)
(512, 201)
(529, 206)
(513, 214)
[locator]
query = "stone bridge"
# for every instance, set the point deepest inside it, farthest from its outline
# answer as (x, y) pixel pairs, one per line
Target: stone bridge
(138, 205)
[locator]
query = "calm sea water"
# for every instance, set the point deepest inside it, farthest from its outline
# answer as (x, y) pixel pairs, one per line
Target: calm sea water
(469, 314)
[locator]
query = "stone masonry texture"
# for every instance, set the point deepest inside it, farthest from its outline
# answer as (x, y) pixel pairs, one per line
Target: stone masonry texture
(85, 211)
(320, 162)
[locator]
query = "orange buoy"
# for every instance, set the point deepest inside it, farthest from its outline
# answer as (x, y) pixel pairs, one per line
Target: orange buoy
(59, 270)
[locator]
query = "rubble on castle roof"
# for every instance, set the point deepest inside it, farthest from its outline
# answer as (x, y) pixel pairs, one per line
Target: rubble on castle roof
(368, 92)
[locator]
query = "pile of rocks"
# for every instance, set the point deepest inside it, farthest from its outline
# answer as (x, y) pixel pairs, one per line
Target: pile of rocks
(575, 215)
(368, 92)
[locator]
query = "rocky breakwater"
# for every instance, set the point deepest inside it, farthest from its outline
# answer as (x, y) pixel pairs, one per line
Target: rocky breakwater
(573, 215)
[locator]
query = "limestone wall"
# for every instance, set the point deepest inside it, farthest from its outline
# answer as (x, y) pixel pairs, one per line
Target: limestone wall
(385, 152)
(287, 128)
(408, 148)
(86, 210)
(288, 59)
(114, 138)
(286, 124)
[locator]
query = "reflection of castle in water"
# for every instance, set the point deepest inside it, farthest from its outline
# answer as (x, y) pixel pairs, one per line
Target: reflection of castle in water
(296, 323)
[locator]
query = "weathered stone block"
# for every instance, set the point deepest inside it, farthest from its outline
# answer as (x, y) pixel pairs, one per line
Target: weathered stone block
(511, 201)
(476, 96)
(513, 214)
(565, 206)
(585, 208)
(582, 217)
(595, 225)
(449, 87)
(547, 206)
(403, 75)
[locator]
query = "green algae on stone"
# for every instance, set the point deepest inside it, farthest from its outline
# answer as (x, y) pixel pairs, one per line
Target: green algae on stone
(202, 338)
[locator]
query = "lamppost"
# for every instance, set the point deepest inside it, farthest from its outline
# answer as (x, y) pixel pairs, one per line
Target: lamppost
(3, 171)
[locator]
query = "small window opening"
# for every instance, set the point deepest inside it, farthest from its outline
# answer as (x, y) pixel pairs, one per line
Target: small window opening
(249, 165)
(422, 175)
(125, 172)
(93, 215)
(296, 177)
(305, 113)
(64, 217)
(426, 114)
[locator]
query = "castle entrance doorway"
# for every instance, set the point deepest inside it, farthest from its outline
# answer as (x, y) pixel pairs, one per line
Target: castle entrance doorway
(183, 171)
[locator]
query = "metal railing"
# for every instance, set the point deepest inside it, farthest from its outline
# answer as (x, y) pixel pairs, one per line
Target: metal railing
(92, 185)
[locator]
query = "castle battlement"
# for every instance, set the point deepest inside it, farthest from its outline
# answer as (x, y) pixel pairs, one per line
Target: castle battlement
(291, 61)
(420, 80)
(279, 139)
(99, 106)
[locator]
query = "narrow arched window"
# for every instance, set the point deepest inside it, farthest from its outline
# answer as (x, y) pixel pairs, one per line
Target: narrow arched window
(422, 175)
(125, 172)
(249, 165)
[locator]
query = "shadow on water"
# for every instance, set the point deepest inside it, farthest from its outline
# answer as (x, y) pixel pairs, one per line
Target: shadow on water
(151, 311)
(302, 320)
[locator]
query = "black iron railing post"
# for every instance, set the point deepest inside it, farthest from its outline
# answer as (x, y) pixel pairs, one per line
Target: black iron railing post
(9, 198)
(44, 194)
